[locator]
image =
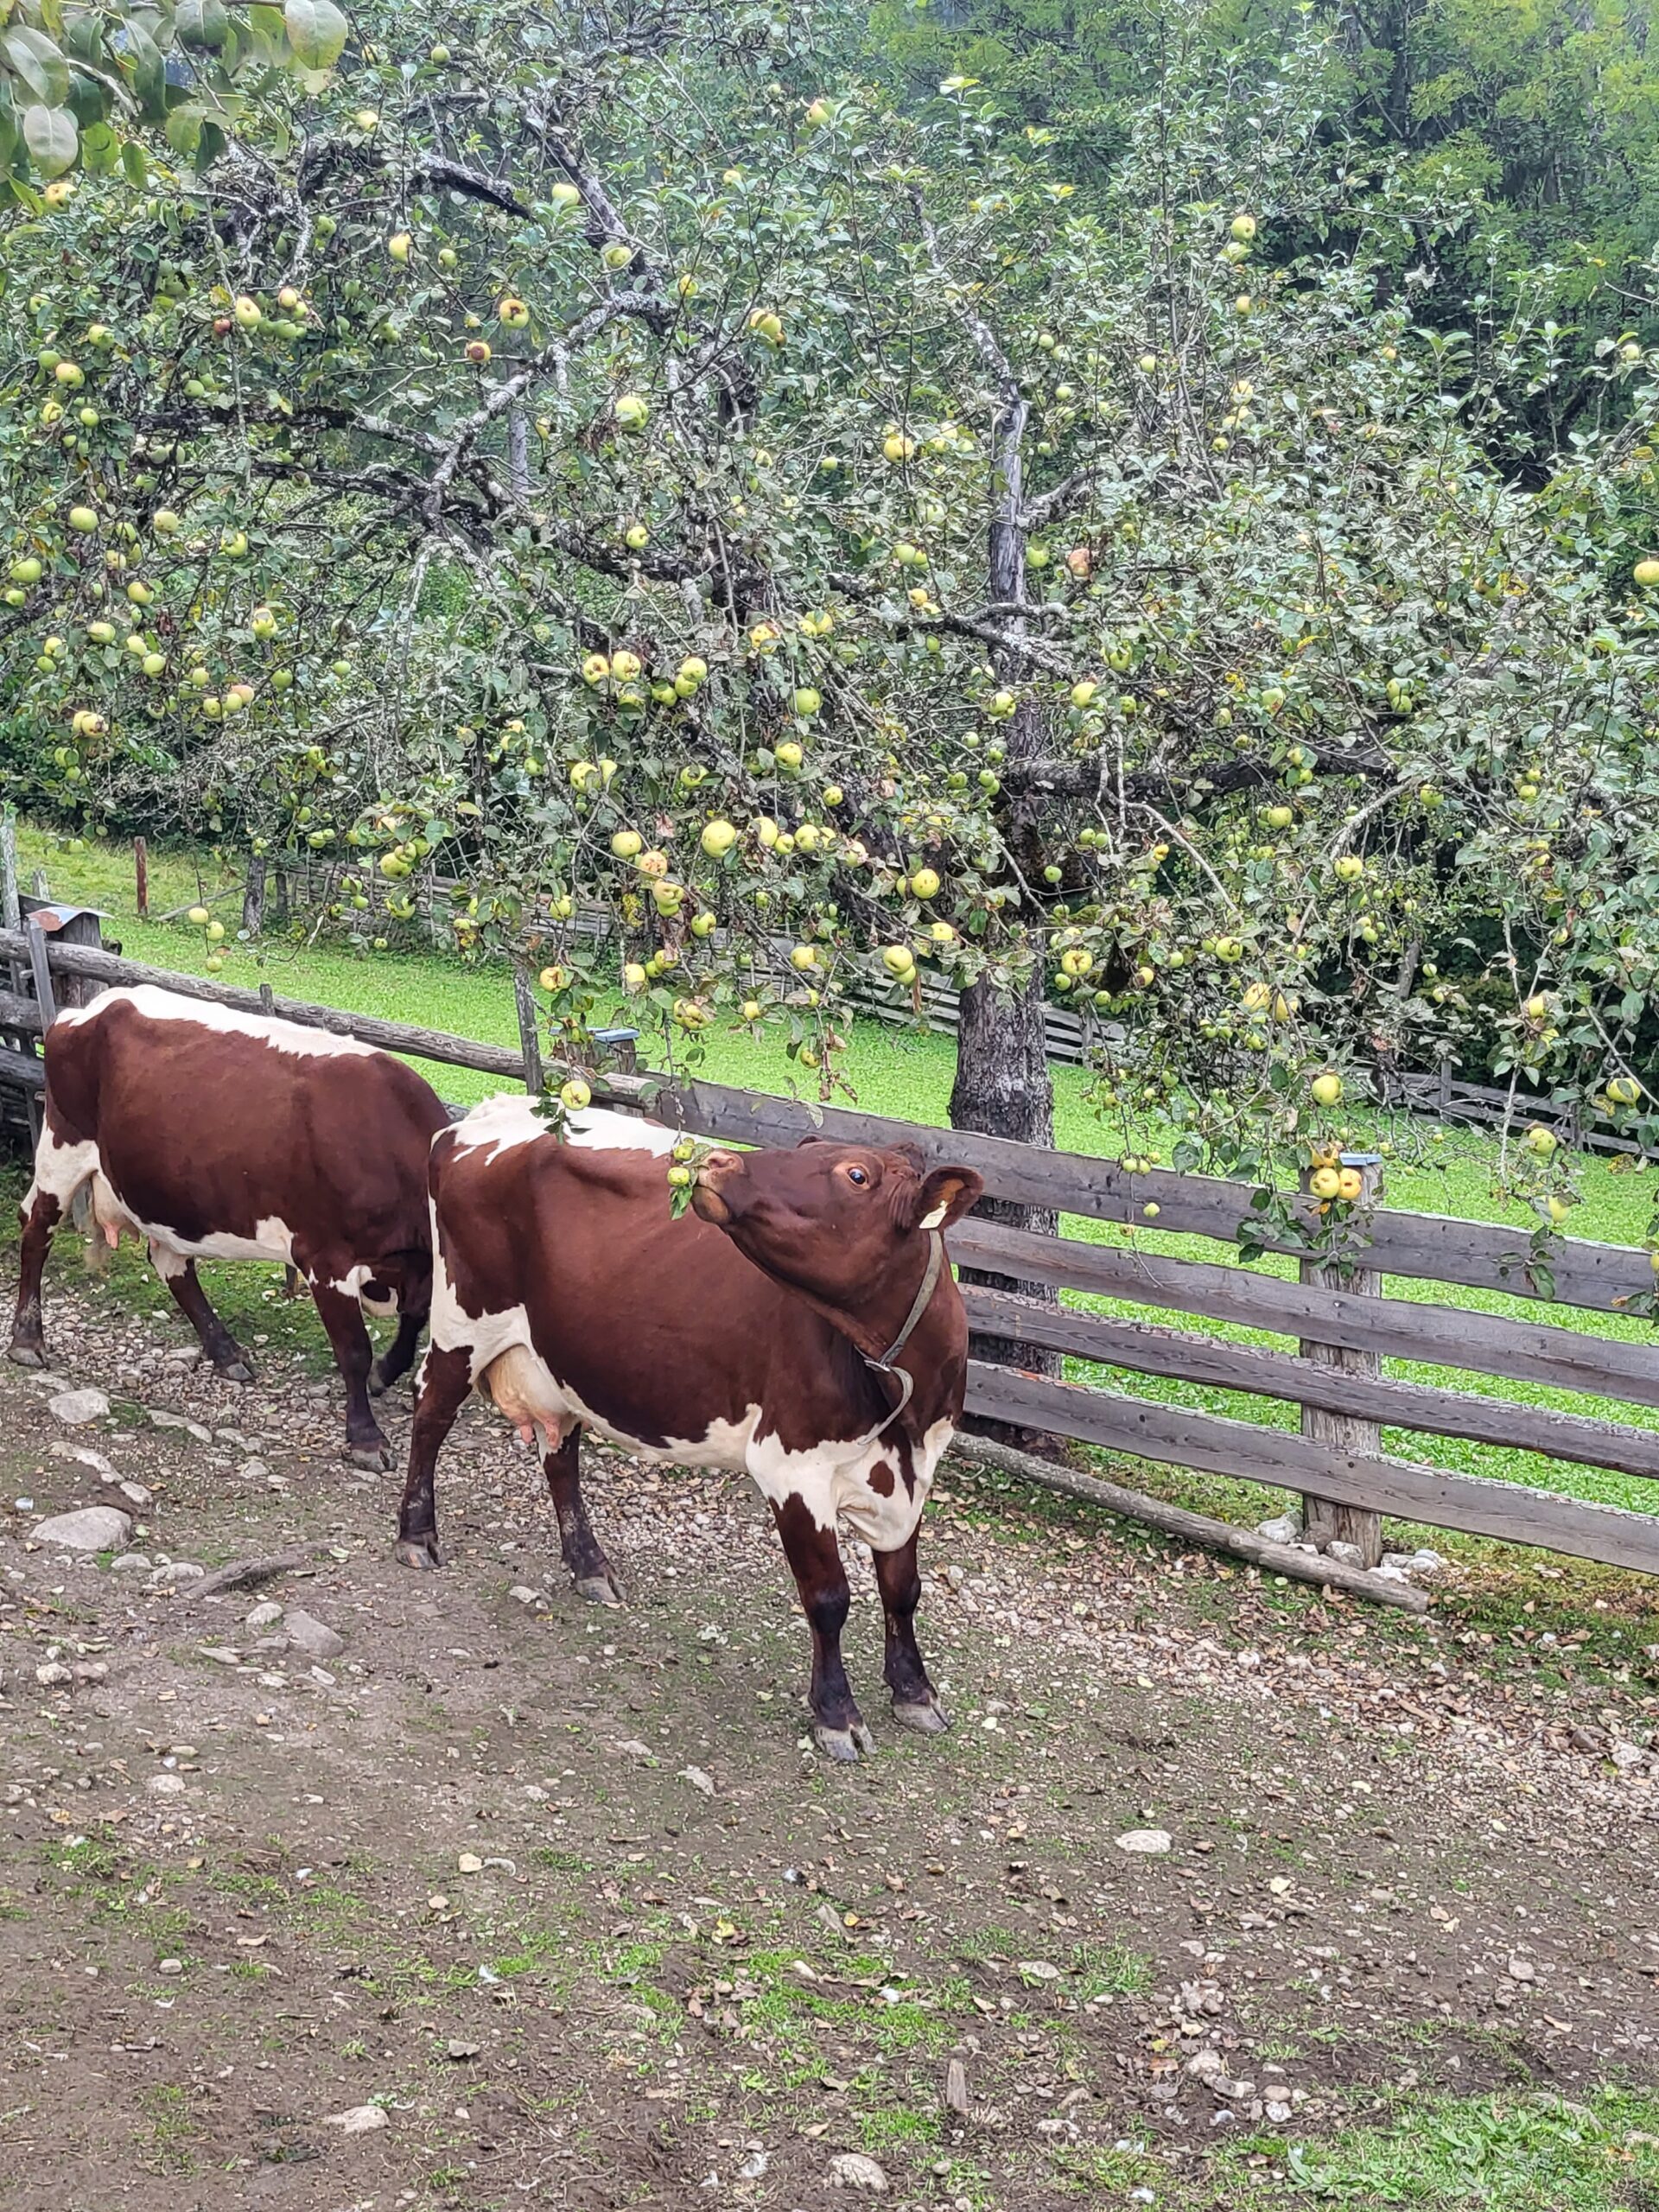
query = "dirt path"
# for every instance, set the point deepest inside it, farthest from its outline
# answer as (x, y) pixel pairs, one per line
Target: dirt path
(561, 1895)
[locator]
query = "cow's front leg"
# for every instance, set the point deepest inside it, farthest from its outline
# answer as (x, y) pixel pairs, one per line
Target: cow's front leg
(342, 1316)
(216, 1341)
(444, 1382)
(814, 1557)
(40, 1213)
(592, 1573)
(915, 1701)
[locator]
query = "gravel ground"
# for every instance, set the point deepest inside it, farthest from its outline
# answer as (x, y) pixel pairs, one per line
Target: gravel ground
(466, 1893)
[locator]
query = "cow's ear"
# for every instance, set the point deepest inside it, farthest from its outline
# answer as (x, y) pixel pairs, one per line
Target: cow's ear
(946, 1196)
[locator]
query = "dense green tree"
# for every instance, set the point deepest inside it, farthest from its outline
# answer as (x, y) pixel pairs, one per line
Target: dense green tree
(846, 546)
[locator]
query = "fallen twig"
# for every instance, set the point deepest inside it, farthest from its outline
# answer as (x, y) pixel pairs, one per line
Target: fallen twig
(1194, 1528)
(245, 1574)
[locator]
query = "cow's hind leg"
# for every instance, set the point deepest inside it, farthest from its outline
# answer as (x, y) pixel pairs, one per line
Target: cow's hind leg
(445, 1380)
(915, 1701)
(415, 1305)
(62, 1165)
(814, 1556)
(592, 1573)
(341, 1316)
(217, 1343)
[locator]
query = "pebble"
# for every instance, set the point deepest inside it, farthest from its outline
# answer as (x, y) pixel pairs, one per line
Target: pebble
(754, 2166)
(264, 1615)
(1346, 1554)
(524, 1595)
(62, 1449)
(176, 1574)
(53, 1675)
(220, 1653)
(255, 1470)
(136, 1494)
(852, 2170)
(1284, 1529)
(1153, 1841)
(698, 1779)
(171, 1967)
(191, 1428)
(93, 1528)
(132, 1563)
(75, 1408)
(314, 1638)
(458, 2049)
(361, 2120)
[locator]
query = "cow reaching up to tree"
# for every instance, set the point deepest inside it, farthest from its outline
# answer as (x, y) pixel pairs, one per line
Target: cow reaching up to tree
(800, 1324)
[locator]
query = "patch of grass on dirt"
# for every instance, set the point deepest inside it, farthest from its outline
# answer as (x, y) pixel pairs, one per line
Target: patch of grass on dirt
(1110, 1970)
(170, 2128)
(1533, 2153)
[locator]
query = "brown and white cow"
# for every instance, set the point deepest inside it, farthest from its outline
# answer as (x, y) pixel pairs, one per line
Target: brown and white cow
(216, 1135)
(800, 1325)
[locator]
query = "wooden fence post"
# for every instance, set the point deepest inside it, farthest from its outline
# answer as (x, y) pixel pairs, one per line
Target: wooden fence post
(9, 910)
(141, 877)
(1326, 1521)
(530, 1036)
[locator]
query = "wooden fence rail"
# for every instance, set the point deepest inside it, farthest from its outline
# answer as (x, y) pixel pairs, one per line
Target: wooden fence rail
(1424, 1247)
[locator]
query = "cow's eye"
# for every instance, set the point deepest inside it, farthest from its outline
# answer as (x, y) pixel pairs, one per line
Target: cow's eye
(857, 1175)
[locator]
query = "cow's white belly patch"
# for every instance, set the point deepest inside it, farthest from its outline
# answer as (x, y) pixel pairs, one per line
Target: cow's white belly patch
(831, 1480)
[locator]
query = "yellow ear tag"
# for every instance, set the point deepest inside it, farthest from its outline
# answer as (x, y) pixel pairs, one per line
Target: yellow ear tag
(932, 1220)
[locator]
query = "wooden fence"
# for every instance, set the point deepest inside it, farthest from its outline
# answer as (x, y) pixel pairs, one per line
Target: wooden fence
(1337, 1323)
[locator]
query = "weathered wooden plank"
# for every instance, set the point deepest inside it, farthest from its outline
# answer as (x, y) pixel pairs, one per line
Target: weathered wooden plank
(1179, 1436)
(1185, 1356)
(1490, 1343)
(369, 1029)
(19, 1014)
(20, 1070)
(1431, 1246)
(1191, 1527)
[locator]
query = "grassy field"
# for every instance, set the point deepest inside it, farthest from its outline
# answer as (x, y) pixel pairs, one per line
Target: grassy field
(909, 1076)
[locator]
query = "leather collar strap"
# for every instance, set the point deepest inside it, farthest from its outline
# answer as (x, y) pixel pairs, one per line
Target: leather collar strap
(918, 1306)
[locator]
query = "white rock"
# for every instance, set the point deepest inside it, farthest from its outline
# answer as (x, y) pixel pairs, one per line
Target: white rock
(132, 1563)
(361, 2120)
(1425, 1562)
(1348, 1554)
(523, 1594)
(63, 1449)
(191, 1428)
(698, 1779)
(255, 1470)
(171, 1967)
(75, 1408)
(1387, 1573)
(166, 1785)
(93, 1528)
(314, 1638)
(852, 2170)
(263, 1615)
(1039, 1970)
(1283, 1529)
(1153, 1841)
(221, 1654)
(176, 1574)
(136, 1494)
(754, 2166)
(53, 1675)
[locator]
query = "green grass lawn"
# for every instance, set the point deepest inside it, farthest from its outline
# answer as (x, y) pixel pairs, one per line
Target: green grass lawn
(908, 1075)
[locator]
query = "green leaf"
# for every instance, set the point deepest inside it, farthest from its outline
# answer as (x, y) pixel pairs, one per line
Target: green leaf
(37, 65)
(135, 165)
(100, 150)
(316, 31)
(214, 140)
(202, 24)
(184, 129)
(51, 138)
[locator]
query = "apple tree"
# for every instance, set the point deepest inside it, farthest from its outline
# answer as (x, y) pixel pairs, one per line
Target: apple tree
(662, 477)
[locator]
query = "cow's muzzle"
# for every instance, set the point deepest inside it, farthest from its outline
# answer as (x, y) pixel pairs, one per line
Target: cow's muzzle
(711, 1193)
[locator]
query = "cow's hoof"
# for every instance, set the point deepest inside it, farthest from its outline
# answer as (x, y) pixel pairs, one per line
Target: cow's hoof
(929, 1718)
(25, 1354)
(598, 1589)
(240, 1369)
(377, 1457)
(379, 1383)
(843, 1744)
(422, 1555)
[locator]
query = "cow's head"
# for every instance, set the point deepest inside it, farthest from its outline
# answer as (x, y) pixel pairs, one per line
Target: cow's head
(843, 1223)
